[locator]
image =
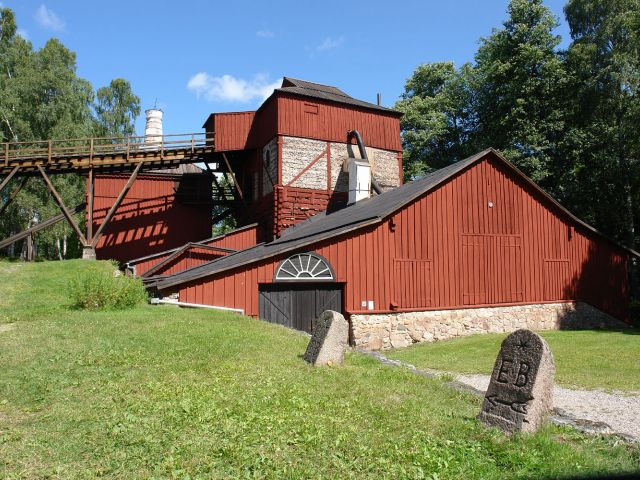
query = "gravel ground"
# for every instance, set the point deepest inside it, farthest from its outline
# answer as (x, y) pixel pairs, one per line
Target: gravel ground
(598, 411)
(592, 411)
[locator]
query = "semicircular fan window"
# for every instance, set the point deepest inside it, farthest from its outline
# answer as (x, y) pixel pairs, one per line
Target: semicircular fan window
(304, 266)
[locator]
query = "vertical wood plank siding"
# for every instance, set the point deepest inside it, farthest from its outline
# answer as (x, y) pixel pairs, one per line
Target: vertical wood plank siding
(331, 121)
(451, 249)
(307, 118)
(232, 130)
(149, 220)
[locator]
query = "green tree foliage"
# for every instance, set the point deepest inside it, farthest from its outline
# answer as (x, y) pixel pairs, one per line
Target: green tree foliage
(438, 117)
(518, 79)
(41, 97)
(117, 108)
(604, 63)
(568, 119)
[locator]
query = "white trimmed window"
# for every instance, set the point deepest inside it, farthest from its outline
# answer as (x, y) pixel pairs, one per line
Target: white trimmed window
(304, 266)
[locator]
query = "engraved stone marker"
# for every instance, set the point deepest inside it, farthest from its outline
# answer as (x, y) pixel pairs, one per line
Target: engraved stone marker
(329, 340)
(521, 387)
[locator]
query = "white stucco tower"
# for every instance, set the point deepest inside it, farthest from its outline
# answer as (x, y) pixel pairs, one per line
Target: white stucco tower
(153, 128)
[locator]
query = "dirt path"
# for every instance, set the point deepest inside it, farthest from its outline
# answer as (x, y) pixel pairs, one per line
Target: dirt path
(592, 411)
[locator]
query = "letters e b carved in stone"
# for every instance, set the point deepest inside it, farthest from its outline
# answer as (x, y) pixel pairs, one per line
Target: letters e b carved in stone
(521, 387)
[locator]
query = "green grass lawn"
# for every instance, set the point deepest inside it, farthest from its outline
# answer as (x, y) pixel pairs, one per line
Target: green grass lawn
(588, 359)
(162, 392)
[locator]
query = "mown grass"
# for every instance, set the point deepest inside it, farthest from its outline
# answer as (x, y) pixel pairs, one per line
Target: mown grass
(584, 358)
(160, 392)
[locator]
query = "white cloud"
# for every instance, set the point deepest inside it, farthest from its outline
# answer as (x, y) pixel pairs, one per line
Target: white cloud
(330, 43)
(23, 33)
(48, 19)
(264, 33)
(227, 88)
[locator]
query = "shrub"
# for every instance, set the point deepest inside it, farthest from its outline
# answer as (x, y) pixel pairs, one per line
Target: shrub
(104, 290)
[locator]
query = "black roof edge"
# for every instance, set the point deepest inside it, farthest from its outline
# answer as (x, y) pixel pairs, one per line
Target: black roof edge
(286, 249)
(172, 250)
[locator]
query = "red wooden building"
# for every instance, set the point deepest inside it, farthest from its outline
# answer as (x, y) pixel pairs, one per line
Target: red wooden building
(471, 248)
(163, 209)
(287, 157)
(325, 222)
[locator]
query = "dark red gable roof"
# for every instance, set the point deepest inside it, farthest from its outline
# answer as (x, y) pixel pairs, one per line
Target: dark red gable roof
(317, 91)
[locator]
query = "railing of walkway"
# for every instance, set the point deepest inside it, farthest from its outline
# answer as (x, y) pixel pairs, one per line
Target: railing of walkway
(50, 150)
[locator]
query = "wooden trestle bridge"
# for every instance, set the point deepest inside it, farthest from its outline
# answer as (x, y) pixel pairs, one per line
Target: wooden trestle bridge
(88, 156)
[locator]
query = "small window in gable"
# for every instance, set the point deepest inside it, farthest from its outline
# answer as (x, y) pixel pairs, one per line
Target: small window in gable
(311, 108)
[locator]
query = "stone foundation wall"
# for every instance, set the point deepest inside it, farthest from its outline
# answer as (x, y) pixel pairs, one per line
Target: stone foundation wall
(393, 330)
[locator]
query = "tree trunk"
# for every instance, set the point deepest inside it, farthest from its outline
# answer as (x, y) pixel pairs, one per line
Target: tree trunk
(58, 249)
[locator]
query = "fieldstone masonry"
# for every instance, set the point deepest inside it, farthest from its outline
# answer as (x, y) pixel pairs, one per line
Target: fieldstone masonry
(521, 387)
(329, 341)
(297, 153)
(393, 330)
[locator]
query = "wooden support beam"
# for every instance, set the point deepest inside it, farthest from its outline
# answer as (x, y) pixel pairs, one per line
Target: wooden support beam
(114, 207)
(62, 206)
(90, 201)
(14, 194)
(233, 177)
(215, 181)
(221, 191)
(9, 177)
(38, 226)
(306, 169)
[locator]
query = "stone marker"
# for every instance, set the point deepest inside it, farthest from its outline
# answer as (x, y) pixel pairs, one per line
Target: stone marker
(520, 392)
(329, 341)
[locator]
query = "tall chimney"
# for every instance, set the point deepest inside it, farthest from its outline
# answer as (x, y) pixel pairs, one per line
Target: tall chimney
(153, 129)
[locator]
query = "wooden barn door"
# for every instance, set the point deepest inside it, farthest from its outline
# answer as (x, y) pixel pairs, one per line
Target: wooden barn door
(298, 305)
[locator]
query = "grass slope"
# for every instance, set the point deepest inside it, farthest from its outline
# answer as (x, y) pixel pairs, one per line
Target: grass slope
(160, 392)
(589, 358)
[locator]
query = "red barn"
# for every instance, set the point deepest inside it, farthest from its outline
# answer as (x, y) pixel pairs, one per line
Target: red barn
(474, 247)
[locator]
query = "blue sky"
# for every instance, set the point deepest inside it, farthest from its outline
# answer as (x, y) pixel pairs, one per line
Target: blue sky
(196, 57)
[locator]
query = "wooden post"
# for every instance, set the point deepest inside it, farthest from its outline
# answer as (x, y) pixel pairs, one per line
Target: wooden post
(193, 142)
(91, 153)
(90, 203)
(38, 226)
(49, 152)
(128, 147)
(114, 207)
(6, 154)
(62, 206)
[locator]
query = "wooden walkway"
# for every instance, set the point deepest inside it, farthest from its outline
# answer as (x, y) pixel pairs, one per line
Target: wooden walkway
(104, 154)
(92, 156)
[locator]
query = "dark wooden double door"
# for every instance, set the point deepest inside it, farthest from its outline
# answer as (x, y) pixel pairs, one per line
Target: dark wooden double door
(297, 305)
